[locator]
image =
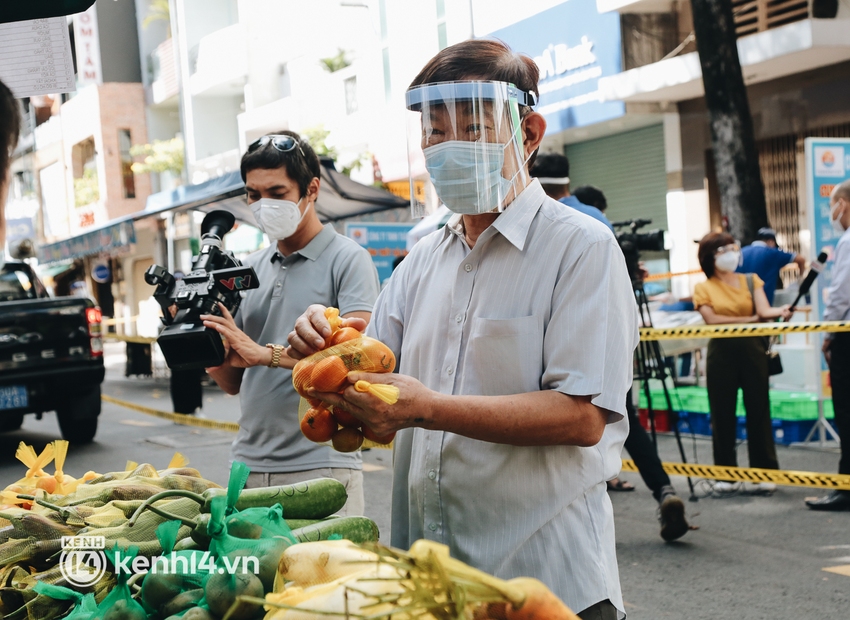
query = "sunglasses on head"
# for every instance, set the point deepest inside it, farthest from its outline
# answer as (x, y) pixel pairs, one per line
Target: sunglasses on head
(282, 143)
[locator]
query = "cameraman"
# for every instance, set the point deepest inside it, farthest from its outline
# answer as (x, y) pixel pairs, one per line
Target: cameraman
(309, 262)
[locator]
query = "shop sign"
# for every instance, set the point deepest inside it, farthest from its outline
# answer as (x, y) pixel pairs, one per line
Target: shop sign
(573, 45)
(827, 165)
(110, 238)
(87, 44)
(20, 228)
(384, 242)
(402, 189)
(100, 273)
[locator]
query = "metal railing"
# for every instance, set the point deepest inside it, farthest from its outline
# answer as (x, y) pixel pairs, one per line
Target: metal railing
(753, 16)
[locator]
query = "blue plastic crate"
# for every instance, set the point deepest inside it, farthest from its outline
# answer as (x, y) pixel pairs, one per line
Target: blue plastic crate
(741, 431)
(695, 422)
(792, 431)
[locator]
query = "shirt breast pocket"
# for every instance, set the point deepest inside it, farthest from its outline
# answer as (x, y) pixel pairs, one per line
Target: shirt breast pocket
(504, 356)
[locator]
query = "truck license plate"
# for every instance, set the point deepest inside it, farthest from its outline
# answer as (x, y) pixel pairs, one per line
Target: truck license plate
(13, 397)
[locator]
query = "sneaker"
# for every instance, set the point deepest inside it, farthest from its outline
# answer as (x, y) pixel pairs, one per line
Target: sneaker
(760, 488)
(673, 523)
(722, 486)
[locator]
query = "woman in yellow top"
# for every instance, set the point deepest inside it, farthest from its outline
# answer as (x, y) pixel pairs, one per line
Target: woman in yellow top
(734, 363)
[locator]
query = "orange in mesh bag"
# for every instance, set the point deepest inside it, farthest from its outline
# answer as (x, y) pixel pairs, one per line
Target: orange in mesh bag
(327, 371)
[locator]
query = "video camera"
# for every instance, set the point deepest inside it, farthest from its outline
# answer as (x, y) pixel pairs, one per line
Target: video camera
(216, 276)
(632, 243)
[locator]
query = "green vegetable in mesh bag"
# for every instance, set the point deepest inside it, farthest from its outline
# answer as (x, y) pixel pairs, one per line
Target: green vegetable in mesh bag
(257, 556)
(259, 523)
(119, 604)
(83, 606)
(172, 573)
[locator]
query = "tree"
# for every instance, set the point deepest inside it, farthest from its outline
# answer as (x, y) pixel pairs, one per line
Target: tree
(160, 156)
(732, 136)
(317, 137)
(158, 10)
(335, 63)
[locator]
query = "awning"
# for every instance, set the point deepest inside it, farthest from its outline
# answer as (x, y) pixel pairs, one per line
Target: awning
(114, 235)
(54, 270)
(340, 197)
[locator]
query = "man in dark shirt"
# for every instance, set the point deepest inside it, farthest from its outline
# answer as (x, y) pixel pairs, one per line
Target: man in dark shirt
(765, 258)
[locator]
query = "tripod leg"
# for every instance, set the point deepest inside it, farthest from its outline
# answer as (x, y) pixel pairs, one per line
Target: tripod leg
(674, 415)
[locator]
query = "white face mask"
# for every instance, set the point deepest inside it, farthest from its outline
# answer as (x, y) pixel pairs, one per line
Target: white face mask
(279, 219)
(728, 261)
(837, 226)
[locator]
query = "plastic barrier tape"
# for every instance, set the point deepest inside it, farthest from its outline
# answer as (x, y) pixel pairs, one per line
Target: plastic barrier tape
(666, 276)
(747, 474)
(741, 331)
(179, 418)
(133, 339)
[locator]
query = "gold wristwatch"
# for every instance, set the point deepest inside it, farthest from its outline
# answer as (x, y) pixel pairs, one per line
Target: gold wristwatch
(277, 351)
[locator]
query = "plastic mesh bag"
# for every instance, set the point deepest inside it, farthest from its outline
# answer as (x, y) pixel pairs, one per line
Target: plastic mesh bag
(119, 602)
(82, 606)
(174, 572)
(243, 555)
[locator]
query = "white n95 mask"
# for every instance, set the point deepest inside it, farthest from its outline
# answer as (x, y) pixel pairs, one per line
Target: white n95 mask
(279, 219)
(728, 261)
(468, 175)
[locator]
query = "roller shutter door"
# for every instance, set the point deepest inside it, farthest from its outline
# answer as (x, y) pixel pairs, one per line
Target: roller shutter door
(629, 169)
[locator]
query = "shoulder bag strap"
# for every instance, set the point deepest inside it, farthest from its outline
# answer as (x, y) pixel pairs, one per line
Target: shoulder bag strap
(750, 286)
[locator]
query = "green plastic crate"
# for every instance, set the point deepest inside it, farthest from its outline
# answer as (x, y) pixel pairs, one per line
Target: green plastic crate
(784, 405)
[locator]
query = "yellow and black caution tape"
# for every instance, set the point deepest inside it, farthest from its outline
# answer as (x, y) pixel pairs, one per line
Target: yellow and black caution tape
(694, 470)
(178, 418)
(742, 330)
(750, 474)
(133, 339)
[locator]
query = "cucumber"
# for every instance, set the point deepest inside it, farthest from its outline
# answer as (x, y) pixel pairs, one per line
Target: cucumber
(313, 499)
(355, 529)
(294, 524)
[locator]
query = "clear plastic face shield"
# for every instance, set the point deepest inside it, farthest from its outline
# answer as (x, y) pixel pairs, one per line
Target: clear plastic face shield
(465, 145)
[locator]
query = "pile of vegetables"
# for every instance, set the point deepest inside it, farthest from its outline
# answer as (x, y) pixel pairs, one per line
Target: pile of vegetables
(172, 518)
(346, 350)
(338, 580)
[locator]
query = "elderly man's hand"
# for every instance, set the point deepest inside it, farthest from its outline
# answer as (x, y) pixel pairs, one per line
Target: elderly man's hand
(312, 329)
(242, 351)
(413, 408)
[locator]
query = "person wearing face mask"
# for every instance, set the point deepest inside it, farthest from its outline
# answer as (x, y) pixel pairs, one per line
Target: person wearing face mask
(306, 261)
(734, 363)
(836, 346)
(514, 326)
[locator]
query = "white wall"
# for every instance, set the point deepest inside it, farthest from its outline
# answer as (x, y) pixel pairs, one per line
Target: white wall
(215, 125)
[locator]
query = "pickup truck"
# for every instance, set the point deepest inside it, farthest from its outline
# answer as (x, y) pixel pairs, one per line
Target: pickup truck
(51, 355)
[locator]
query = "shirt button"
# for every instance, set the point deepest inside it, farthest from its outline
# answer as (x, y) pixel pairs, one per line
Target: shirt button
(458, 318)
(432, 527)
(450, 371)
(467, 267)
(277, 284)
(432, 474)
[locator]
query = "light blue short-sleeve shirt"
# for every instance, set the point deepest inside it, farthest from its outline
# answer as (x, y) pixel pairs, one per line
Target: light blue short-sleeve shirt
(542, 302)
(331, 270)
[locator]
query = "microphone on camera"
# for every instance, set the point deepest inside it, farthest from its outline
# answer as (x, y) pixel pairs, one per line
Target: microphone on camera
(814, 271)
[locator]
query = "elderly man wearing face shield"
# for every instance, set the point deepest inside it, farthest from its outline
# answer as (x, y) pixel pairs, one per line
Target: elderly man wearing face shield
(514, 327)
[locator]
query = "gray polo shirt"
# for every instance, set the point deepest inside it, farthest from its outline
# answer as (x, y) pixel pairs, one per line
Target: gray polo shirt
(331, 270)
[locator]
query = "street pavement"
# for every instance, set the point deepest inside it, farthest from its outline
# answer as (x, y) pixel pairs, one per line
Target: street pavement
(753, 557)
